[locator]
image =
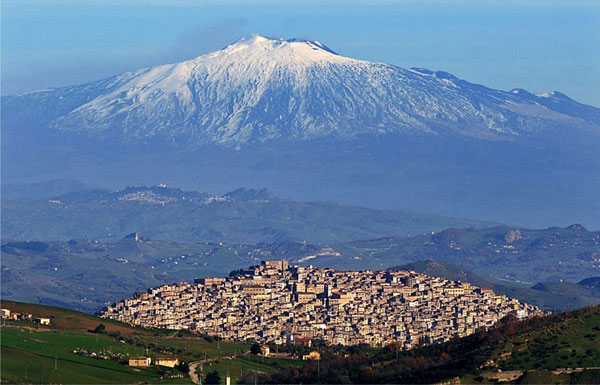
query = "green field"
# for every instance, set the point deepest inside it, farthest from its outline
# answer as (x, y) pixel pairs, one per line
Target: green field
(47, 357)
(44, 354)
(190, 345)
(572, 341)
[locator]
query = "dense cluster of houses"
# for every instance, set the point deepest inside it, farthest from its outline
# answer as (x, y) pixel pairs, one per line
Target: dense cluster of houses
(277, 303)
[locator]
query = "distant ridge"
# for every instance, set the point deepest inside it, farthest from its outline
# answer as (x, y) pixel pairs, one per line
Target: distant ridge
(244, 215)
(244, 194)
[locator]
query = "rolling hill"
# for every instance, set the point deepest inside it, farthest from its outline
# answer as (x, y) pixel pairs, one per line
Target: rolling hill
(502, 254)
(561, 348)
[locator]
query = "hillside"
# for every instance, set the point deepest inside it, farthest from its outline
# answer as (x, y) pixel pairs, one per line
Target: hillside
(46, 354)
(536, 351)
(84, 275)
(592, 283)
(444, 270)
(562, 350)
(41, 190)
(240, 216)
(532, 351)
(565, 296)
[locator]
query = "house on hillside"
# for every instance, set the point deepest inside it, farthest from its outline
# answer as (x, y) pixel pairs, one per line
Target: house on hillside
(140, 361)
(265, 350)
(42, 321)
(170, 362)
(314, 355)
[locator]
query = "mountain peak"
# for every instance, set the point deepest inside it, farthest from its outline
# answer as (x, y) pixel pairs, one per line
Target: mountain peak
(243, 194)
(254, 39)
(257, 40)
(553, 95)
(278, 50)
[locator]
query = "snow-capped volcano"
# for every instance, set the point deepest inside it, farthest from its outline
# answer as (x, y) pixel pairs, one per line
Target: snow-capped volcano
(295, 116)
(258, 89)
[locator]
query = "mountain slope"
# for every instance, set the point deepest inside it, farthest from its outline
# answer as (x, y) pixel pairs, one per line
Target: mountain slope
(260, 89)
(444, 270)
(569, 340)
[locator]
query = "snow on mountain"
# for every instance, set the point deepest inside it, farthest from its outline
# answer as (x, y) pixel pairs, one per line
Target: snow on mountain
(259, 89)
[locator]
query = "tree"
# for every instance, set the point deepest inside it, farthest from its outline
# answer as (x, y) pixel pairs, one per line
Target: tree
(255, 349)
(212, 378)
(183, 367)
(100, 329)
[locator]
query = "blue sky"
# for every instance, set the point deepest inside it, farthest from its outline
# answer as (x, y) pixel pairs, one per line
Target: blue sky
(536, 45)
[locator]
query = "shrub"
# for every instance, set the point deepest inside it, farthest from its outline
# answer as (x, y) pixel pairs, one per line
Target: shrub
(212, 378)
(99, 329)
(255, 349)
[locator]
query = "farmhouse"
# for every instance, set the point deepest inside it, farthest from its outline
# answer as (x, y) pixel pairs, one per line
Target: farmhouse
(170, 362)
(314, 355)
(140, 361)
(265, 350)
(42, 321)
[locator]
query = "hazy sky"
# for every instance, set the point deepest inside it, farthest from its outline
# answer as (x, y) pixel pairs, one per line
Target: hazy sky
(537, 45)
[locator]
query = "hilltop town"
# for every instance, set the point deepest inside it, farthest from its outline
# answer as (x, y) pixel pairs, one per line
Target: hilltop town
(277, 303)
